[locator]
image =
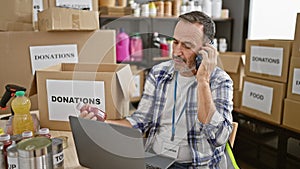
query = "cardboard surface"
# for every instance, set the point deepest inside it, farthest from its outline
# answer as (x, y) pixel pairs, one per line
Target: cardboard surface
(16, 11)
(293, 91)
(63, 19)
(278, 92)
(15, 26)
(233, 63)
(139, 80)
(291, 114)
(117, 87)
(296, 45)
(237, 98)
(269, 59)
(52, 3)
(15, 68)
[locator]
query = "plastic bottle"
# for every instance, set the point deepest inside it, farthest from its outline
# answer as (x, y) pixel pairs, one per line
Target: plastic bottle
(216, 8)
(122, 46)
(152, 9)
(27, 134)
(156, 40)
(22, 120)
(44, 132)
(136, 47)
(101, 116)
(222, 45)
(206, 7)
(164, 48)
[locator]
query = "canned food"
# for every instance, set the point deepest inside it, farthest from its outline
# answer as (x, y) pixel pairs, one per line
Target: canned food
(35, 153)
(58, 154)
(12, 157)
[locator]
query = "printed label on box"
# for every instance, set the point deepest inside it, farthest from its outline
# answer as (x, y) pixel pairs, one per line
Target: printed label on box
(64, 95)
(45, 56)
(37, 7)
(257, 97)
(266, 60)
(137, 83)
(75, 4)
(296, 82)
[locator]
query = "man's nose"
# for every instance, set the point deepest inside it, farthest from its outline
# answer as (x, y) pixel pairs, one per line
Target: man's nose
(177, 50)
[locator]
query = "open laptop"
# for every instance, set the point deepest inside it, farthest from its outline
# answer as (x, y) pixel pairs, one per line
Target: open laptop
(109, 146)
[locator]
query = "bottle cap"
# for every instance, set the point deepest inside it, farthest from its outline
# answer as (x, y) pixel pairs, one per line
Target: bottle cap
(4, 137)
(44, 131)
(222, 40)
(27, 134)
(20, 93)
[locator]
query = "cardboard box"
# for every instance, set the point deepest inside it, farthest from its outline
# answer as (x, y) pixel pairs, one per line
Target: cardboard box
(15, 26)
(237, 98)
(268, 59)
(293, 91)
(296, 45)
(263, 99)
(139, 80)
(16, 68)
(68, 4)
(16, 11)
(109, 83)
(63, 19)
(233, 63)
(291, 114)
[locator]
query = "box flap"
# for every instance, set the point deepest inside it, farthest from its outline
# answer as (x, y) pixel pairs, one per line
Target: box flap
(231, 61)
(126, 81)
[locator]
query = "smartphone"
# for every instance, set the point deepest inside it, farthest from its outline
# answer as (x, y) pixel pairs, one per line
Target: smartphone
(199, 58)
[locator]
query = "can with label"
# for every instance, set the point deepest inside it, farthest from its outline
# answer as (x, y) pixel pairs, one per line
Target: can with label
(58, 154)
(35, 153)
(12, 157)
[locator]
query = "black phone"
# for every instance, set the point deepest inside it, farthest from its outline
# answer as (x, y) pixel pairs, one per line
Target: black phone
(199, 58)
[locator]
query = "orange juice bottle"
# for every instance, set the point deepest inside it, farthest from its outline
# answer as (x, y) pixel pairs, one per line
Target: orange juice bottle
(22, 120)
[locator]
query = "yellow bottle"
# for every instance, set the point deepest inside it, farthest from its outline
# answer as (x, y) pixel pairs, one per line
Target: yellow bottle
(22, 120)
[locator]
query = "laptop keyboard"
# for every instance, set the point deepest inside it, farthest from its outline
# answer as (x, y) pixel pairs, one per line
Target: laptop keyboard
(149, 166)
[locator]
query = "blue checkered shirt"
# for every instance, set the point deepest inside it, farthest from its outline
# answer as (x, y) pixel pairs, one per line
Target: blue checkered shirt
(206, 141)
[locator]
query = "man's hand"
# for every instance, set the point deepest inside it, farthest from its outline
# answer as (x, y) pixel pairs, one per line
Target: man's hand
(209, 62)
(87, 115)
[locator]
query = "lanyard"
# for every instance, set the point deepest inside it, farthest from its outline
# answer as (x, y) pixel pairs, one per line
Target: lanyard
(174, 109)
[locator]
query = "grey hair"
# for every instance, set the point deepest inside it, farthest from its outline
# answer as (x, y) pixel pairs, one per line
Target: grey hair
(209, 28)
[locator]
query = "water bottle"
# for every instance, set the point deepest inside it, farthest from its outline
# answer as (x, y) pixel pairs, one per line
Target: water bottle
(122, 46)
(22, 120)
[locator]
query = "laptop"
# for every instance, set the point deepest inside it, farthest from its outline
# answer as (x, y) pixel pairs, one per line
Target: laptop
(109, 146)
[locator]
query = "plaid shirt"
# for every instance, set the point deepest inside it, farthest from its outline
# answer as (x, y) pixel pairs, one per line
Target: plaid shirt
(206, 141)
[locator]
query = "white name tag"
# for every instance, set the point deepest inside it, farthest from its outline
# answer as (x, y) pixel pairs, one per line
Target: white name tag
(45, 56)
(170, 150)
(257, 97)
(64, 95)
(266, 60)
(296, 82)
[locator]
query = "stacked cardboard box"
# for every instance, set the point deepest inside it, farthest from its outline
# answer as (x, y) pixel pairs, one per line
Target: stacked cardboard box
(233, 63)
(16, 15)
(264, 86)
(62, 15)
(291, 113)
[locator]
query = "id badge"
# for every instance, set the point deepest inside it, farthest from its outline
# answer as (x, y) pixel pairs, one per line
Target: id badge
(170, 150)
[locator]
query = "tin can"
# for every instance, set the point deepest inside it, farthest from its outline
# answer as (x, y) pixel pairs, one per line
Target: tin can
(58, 154)
(35, 153)
(2, 158)
(12, 157)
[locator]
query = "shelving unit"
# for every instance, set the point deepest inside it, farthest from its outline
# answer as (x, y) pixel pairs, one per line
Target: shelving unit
(146, 26)
(266, 145)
